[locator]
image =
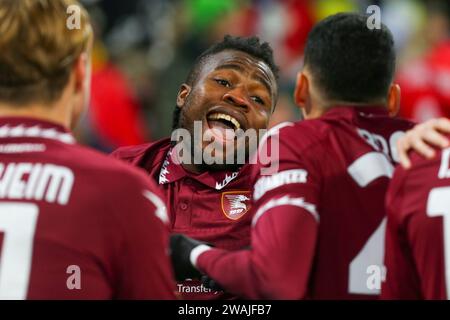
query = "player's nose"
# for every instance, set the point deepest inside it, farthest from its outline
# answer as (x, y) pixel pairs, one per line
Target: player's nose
(237, 97)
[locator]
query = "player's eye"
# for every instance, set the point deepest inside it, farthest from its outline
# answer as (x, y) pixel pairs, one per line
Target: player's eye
(223, 82)
(258, 100)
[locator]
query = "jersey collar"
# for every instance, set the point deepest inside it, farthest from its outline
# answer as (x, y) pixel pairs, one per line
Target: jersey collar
(24, 127)
(172, 171)
(351, 111)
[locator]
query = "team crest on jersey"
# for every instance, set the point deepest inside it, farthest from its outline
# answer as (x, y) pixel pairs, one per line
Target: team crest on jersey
(235, 204)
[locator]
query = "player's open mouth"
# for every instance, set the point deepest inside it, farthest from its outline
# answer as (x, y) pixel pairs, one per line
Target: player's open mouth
(222, 122)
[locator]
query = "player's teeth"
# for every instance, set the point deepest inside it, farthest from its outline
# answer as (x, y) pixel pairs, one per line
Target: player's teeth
(235, 123)
(221, 116)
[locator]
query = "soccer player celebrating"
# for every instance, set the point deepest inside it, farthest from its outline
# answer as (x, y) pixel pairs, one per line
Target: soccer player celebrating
(231, 87)
(417, 246)
(65, 230)
(319, 221)
(417, 236)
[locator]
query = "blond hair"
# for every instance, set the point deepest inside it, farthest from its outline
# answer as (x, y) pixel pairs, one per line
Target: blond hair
(38, 49)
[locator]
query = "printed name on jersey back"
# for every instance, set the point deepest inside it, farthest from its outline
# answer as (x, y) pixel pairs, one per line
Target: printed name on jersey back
(444, 170)
(36, 181)
(380, 144)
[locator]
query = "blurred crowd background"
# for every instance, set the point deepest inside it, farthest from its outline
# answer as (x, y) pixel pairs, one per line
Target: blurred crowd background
(145, 48)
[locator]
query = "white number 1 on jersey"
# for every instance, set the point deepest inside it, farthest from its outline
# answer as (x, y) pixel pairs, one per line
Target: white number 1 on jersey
(439, 205)
(17, 224)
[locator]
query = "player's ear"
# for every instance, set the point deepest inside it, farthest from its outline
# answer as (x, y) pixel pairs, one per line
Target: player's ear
(393, 100)
(80, 83)
(301, 91)
(81, 70)
(183, 93)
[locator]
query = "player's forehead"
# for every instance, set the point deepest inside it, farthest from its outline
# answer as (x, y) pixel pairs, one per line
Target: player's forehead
(242, 62)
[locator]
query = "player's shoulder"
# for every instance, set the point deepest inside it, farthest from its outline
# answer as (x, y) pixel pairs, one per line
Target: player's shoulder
(441, 160)
(414, 183)
(300, 134)
(433, 167)
(409, 188)
(103, 170)
(136, 153)
(290, 144)
(398, 123)
(316, 128)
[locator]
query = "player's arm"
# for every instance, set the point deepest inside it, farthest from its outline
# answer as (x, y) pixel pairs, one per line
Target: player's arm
(279, 263)
(284, 235)
(422, 138)
(142, 263)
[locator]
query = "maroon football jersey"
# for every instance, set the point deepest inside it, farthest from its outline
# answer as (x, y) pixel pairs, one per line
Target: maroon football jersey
(211, 206)
(75, 224)
(318, 225)
(418, 230)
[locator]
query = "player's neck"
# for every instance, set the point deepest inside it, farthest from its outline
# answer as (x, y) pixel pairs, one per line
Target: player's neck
(53, 113)
(313, 113)
(324, 107)
(58, 112)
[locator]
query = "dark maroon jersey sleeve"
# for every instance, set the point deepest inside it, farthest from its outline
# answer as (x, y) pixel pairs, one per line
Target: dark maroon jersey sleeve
(143, 263)
(284, 232)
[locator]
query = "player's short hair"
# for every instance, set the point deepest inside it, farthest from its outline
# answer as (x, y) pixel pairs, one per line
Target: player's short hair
(350, 62)
(250, 45)
(38, 49)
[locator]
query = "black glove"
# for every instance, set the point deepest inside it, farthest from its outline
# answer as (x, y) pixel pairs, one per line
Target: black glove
(180, 252)
(211, 283)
